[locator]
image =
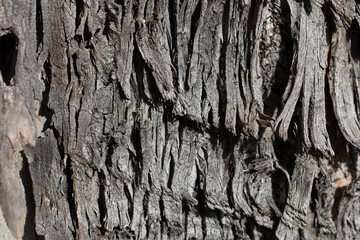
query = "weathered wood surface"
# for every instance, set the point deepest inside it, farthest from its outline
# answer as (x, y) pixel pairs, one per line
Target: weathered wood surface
(179, 119)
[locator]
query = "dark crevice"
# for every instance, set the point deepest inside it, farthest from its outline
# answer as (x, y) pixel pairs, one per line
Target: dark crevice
(286, 159)
(172, 171)
(77, 120)
(121, 2)
(194, 25)
(339, 193)
(137, 158)
(201, 205)
(102, 201)
(280, 186)
(195, 18)
(39, 25)
(211, 119)
(8, 56)
(74, 58)
(138, 66)
(235, 232)
(166, 117)
(150, 180)
(203, 93)
(185, 121)
(222, 64)
(110, 17)
(238, 125)
(87, 34)
(215, 132)
(103, 126)
(355, 87)
(93, 61)
(68, 171)
(144, 78)
(44, 110)
(219, 216)
(222, 107)
(111, 147)
(337, 140)
(60, 142)
(156, 98)
(68, 68)
(226, 22)
(172, 12)
(135, 9)
(106, 30)
(253, 229)
(229, 190)
(353, 34)
(249, 226)
(329, 108)
(77, 113)
(353, 163)
(275, 88)
(307, 7)
(29, 227)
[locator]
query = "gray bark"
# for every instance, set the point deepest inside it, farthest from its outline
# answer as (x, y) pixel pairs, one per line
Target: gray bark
(179, 119)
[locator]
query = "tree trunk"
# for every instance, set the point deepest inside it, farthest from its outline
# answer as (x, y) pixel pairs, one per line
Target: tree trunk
(179, 119)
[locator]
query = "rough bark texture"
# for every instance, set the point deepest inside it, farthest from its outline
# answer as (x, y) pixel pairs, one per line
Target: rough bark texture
(179, 119)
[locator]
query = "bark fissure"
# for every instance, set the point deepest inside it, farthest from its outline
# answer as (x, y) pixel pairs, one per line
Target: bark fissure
(29, 227)
(8, 53)
(68, 171)
(44, 110)
(102, 202)
(39, 26)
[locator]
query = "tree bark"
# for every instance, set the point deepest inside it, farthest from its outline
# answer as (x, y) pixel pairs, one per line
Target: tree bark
(179, 119)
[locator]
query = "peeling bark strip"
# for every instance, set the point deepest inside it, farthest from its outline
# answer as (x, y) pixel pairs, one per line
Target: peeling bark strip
(169, 119)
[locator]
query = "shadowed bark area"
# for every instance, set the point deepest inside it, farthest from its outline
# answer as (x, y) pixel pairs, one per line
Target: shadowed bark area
(179, 119)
